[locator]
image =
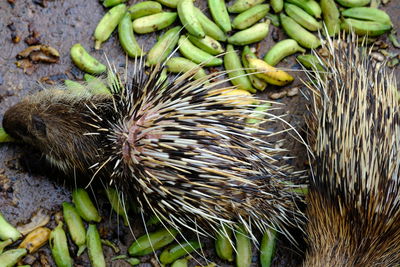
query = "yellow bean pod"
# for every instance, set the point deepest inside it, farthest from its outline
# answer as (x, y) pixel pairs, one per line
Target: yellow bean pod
(35, 239)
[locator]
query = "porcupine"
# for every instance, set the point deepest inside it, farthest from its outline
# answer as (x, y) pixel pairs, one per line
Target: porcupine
(353, 204)
(182, 151)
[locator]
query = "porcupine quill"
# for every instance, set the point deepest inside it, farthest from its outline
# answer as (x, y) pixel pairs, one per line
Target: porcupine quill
(353, 205)
(184, 152)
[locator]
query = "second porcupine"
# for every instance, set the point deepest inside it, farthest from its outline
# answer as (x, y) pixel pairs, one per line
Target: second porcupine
(183, 152)
(353, 205)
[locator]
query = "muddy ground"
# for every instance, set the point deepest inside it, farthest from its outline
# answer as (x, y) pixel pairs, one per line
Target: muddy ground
(25, 184)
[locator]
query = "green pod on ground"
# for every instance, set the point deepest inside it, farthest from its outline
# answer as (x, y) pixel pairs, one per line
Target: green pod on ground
(95, 85)
(75, 226)
(154, 22)
(111, 3)
(117, 205)
(7, 231)
(207, 44)
(74, 87)
(95, 249)
(147, 243)
(175, 251)
(164, 46)
(223, 243)
(11, 257)
(255, 81)
(154, 220)
(367, 13)
(127, 38)
(302, 17)
(243, 247)
(235, 71)
(250, 16)
(108, 24)
(4, 138)
(210, 28)
(182, 65)
(240, 6)
(220, 14)
(353, 3)
(59, 247)
(197, 55)
(133, 261)
(169, 3)
(4, 244)
(258, 114)
(180, 263)
(301, 35)
(310, 6)
(143, 9)
(267, 248)
(274, 19)
(362, 27)
(188, 18)
(251, 35)
(281, 50)
(331, 16)
(85, 206)
(310, 62)
(84, 61)
(277, 5)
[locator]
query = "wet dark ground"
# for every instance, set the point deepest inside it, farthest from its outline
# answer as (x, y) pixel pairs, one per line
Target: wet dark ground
(25, 186)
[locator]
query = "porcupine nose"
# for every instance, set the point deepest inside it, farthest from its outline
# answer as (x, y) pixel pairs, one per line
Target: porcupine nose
(15, 123)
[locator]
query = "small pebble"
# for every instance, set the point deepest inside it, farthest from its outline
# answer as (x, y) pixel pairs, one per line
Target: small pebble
(277, 95)
(293, 91)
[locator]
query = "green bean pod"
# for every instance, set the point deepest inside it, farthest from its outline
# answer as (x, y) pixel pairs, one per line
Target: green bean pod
(59, 247)
(133, 261)
(127, 38)
(117, 204)
(302, 17)
(164, 46)
(274, 19)
(277, 5)
(240, 6)
(84, 205)
(11, 257)
(310, 62)
(353, 3)
(220, 14)
(4, 244)
(188, 18)
(169, 3)
(84, 61)
(74, 87)
(301, 35)
(4, 138)
(75, 225)
(144, 8)
(108, 24)
(281, 50)
(154, 22)
(207, 44)
(223, 244)
(210, 28)
(258, 83)
(367, 13)
(146, 244)
(251, 35)
(197, 55)
(362, 27)
(235, 71)
(96, 85)
(95, 249)
(180, 263)
(111, 3)
(331, 16)
(243, 247)
(267, 248)
(7, 231)
(182, 65)
(258, 114)
(310, 6)
(175, 251)
(250, 16)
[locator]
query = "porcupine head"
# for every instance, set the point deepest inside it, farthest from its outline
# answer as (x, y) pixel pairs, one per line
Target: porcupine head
(183, 151)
